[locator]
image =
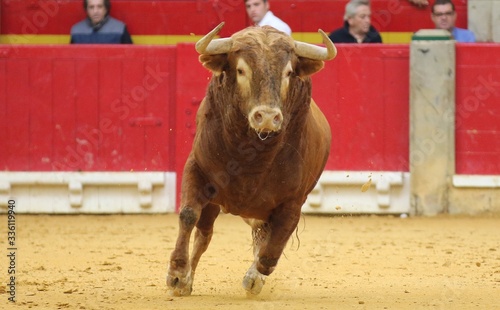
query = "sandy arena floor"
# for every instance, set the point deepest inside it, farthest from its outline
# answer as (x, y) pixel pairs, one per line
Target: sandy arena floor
(343, 262)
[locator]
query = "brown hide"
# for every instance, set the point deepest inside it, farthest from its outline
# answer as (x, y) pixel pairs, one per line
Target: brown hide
(261, 144)
(230, 165)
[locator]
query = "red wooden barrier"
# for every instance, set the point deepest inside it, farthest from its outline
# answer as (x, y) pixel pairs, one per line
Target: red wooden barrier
(364, 93)
(478, 109)
(116, 108)
(87, 108)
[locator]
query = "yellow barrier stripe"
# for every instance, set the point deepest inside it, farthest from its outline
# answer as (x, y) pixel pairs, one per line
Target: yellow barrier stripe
(387, 37)
(396, 37)
(34, 39)
(64, 39)
(310, 37)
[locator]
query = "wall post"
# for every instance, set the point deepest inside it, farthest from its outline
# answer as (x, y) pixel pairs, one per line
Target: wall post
(483, 18)
(432, 122)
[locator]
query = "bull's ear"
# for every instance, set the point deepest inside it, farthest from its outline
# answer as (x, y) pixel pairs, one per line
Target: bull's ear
(214, 63)
(307, 67)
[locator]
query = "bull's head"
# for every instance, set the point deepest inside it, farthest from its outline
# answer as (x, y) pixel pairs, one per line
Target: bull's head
(261, 69)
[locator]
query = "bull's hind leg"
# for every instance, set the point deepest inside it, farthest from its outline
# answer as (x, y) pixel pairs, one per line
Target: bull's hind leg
(181, 270)
(268, 246)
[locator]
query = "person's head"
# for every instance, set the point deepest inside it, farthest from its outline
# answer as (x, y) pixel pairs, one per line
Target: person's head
(96, 9)
(443, 14)
(358, 16)
(256, 9)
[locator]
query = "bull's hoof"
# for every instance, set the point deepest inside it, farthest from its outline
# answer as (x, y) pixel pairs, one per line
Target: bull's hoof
(253, 282)
(178, 285)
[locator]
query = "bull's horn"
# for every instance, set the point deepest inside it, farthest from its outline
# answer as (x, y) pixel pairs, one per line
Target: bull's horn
(207, 44)
(317, 52)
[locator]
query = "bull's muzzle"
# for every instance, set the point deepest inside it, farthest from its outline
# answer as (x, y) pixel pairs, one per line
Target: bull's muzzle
(265, 120)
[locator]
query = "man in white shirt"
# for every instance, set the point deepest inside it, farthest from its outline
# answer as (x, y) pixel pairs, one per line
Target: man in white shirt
(258, 11)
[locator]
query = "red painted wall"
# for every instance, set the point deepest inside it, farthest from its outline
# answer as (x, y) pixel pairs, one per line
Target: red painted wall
(117, 108)
(87, 108)
(364, 93)
(200, 16)
(478, 109)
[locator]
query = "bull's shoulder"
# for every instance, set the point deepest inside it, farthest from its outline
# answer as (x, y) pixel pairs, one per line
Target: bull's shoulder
(319, 119)
(201, 113)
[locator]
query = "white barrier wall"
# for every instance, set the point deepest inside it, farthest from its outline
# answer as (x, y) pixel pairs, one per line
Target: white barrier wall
(360, 192)
(474, 194)
(88, 192)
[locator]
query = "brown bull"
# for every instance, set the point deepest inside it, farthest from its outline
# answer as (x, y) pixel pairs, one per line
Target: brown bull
(261, 144)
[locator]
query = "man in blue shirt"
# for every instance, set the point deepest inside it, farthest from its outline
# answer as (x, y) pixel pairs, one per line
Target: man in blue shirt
(99, 27)
(444, 17)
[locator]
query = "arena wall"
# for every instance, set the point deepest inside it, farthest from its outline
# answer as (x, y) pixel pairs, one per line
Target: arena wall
(80, 122)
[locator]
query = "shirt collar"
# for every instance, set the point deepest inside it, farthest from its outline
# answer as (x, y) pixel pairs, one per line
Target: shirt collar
(99, 25)
(266, 19)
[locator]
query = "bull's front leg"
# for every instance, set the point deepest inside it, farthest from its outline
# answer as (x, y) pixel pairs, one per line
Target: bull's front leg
(195, 212)
(181, 270)
(179, 278)
(253, 280)
(270, 240)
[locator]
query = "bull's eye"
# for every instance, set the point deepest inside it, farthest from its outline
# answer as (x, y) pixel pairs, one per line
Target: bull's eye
(243, 77)
(287, 71)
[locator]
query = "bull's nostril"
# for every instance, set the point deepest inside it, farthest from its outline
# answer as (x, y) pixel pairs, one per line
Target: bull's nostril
(265, 119)
(258, 117)
(277, 119)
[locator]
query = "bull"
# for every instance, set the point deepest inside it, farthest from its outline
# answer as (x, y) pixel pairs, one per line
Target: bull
(260, 146)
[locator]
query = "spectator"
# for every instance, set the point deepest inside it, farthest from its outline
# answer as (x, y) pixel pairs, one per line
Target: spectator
(259, 13)
(99, 27)
(357, 25)
(444, 17)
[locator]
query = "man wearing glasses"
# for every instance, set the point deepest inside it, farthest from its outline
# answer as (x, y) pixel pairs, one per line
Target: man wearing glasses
(444, 17)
